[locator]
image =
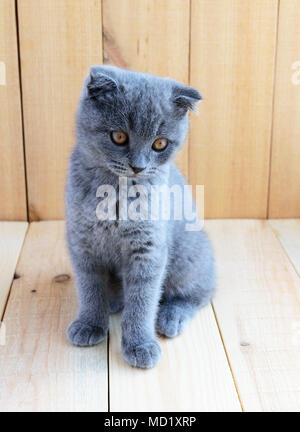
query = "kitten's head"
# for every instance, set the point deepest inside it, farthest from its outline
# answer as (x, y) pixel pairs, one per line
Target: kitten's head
(130, 122)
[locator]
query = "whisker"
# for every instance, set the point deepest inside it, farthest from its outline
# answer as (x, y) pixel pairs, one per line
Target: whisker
(118, 163)
(119, 168)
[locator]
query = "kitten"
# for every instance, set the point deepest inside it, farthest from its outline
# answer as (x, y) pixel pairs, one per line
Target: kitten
(131, 125)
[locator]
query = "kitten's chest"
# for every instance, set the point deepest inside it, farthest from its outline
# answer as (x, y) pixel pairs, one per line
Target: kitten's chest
(112, 240)
(104, 240)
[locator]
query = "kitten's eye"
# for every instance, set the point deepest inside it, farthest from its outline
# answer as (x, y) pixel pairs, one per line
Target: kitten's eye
(160, 144)
(119, 137)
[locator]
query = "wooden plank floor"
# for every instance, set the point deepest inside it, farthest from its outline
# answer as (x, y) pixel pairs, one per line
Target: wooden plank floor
(257, 305)
(240, 353)
(287, 230)
(11, 239)
(193, 374)
(39, 369)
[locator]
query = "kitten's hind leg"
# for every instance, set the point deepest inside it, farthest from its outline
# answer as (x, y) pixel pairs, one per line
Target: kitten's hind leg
(176, 309)
(173, 314)
(115, 292)
(188, 286)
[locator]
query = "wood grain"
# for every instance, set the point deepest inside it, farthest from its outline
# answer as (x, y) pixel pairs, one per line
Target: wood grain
(288, 232)
(59, 40)
(258, 310)
(11, 239)
(149, 36)
(193, 374)
(285, 173)
(232, 64)
(12, 177)
(39, 369)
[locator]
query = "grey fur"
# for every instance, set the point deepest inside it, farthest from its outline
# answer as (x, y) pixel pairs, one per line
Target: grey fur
(158, 272)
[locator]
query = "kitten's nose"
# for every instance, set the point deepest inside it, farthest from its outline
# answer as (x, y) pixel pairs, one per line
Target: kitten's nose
(136, 170)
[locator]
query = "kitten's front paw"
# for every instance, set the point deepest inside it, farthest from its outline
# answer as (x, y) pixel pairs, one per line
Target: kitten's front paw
(171, 320)
(144, 356)
(82, 334)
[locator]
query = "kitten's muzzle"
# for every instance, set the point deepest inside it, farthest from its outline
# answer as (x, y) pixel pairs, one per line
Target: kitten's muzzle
(136, 170)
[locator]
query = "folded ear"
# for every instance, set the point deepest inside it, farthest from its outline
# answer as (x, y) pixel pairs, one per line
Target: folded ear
(100, 82)
(185, 98)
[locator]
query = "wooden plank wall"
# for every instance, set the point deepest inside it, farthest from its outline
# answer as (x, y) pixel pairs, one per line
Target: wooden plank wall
(285, 163)
(243, 145)
(59, 40)
(149, 36)
(12, 176)
(232, 60)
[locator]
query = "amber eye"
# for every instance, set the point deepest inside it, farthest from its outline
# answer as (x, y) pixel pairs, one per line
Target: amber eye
(160, 144)
(119, 137)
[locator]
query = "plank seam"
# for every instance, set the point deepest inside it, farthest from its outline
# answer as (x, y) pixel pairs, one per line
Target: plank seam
(22, 107)
(2, 313)
(273, 111)
(228, 360)
(189, 82)
(102, 31)
(283, 248)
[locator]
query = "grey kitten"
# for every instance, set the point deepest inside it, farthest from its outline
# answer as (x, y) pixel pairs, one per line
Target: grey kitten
(131, 124)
